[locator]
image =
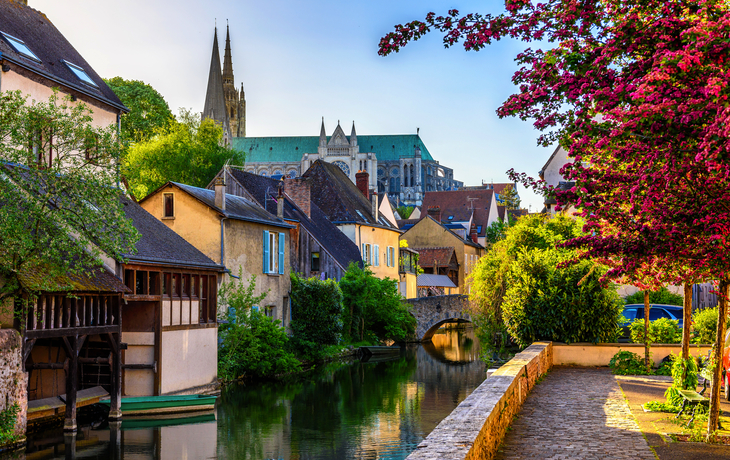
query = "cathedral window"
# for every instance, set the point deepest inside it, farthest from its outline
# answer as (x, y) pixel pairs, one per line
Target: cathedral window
(343, 166)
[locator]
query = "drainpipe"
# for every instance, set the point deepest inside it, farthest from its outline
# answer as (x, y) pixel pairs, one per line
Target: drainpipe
(223, 244)
(119, 133)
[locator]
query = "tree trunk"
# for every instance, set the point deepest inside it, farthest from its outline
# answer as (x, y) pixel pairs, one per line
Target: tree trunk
(647, 344)
(687, 320)
(714, 417)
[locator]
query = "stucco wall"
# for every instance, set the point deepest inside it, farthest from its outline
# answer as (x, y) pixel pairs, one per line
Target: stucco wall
(588, 354)
(383, 237)
(102, 115)
(477, 426)
(190, 358)
(13, 381)
(140, 350)
(194, 221)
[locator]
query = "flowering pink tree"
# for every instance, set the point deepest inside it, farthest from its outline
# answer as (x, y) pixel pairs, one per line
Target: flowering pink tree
(637, 92)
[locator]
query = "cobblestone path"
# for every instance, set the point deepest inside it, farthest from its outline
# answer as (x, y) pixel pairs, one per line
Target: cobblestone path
(575, 413)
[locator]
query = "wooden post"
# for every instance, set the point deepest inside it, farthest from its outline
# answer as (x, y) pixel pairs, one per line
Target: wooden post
(73, 347)
(69, 439)
(115, 398)
(647, 344)
(713, 419)
(115, 440)
(686, 319)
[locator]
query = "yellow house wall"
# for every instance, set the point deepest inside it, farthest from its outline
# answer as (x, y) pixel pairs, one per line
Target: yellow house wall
(194, 221)
(383, 237)
(428, 234)
(244, 245)
(102, 115)
(411, 285)
(189, 358)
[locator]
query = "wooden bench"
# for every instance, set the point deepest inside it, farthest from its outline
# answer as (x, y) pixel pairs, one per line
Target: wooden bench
(691, 398)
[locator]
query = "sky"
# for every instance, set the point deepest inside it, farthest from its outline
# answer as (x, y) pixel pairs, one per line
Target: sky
(301, 60)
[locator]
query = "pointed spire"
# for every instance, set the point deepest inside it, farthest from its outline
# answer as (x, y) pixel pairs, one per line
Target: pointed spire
(227, 60)
(353, 135)
(215, 102)
(322, 135)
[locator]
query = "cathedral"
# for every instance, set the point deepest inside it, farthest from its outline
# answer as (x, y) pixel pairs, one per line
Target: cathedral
(398, 164)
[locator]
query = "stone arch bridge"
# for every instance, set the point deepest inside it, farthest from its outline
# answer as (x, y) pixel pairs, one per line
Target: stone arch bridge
(432, 312)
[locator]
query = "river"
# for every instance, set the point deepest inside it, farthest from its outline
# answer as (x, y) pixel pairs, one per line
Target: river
(358, 410)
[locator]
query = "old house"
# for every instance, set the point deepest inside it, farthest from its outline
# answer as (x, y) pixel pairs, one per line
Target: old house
(169, 316)
(463, 211)
(430, 233)
(317, 246)
(439, 261)
(234, 232)
(550, 173)
(354, 210)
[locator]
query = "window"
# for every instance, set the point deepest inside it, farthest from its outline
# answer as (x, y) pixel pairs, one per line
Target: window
(315, 261)
(80, 73)
(376, 255)
(20, 46)
(274, 247)
(366, 253)
(91, 147)
(270, 311)
(391, 256)
(168, 204)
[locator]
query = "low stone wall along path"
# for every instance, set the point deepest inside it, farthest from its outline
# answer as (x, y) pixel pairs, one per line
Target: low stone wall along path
(575, 414)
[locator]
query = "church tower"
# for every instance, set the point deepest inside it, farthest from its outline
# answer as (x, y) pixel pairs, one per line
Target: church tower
(235, 101)
(215, 101)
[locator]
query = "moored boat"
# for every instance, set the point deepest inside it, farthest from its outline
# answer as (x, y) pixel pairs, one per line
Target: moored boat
(141, 405)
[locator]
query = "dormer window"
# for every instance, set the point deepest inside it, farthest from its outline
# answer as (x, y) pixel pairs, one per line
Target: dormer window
(20, 46)
(80, 73)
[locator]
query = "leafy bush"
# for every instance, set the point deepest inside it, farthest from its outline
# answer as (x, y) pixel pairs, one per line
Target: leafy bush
(627, 363)
(373, 308)
(316, 316)
(704, 325)
(8, 418)
(663, 296)
(662, 330)
(253, 346)
(684, 377)
(522, 284)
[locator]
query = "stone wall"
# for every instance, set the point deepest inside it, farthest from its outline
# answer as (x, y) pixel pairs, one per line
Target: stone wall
(477, 426)
(432, 311)
(589, 354)
(13, 381)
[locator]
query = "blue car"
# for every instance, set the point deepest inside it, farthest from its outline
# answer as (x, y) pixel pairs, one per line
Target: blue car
(636, 311)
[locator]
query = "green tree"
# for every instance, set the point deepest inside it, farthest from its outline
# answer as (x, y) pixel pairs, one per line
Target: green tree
(316, 315)
(520, 286)
(148, 110)
(186, 150)
(510, 198)
(405, 211)
(252, 345)
(663, 296)
(58, 182)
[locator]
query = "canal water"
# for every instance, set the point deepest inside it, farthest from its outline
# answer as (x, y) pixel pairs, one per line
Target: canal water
(355, 410)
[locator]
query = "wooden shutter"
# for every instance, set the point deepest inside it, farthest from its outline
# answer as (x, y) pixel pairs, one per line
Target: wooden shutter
(266, 251)
(376, 253)
(282, 242)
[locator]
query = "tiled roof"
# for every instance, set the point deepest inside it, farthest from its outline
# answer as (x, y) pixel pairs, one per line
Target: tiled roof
(237, 207)
(460, 204)
(325, 232)
(429, 280)
(405, 224)
(94, 279)
(428, 257)
(52, 48)
(159, 244)
(338, 197)
(389, 147)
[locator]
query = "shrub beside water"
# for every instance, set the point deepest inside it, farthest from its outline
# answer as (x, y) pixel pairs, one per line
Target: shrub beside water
(316, 316)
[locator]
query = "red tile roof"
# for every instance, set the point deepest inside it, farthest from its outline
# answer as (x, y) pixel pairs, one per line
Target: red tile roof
(428, 257)
(460, 204)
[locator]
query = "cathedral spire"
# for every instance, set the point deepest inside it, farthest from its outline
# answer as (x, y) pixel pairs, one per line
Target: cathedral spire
(322, 135)
(353, 135)
(215, 102)
(227, 60)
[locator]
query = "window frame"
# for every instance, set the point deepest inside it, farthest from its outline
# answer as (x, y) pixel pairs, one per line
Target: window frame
(165, 196)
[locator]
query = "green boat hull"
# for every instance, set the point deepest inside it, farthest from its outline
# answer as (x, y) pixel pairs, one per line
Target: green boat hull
(165, 404)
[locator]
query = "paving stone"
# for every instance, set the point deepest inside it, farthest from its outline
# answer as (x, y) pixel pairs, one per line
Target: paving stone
(575, 414)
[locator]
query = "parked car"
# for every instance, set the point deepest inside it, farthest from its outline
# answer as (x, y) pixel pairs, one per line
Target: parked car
(636, 311)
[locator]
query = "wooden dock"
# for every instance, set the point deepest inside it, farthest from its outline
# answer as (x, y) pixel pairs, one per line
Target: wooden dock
(55, 406)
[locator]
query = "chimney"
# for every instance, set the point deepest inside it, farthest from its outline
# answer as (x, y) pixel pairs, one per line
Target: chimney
(435, 213)
(280, 202)
(473, 233)
(299, 191)
(362, 181)
(374, 199)
(219, 185)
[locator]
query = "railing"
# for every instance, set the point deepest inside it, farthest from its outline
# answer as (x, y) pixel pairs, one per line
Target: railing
(57, 315)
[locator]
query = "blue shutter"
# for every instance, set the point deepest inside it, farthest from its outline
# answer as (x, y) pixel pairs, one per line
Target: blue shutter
(266, 251)
(376, 255)
(282, 243)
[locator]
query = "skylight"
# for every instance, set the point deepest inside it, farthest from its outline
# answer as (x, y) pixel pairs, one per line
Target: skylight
(20, 46)
(80, 73)
(451, 217)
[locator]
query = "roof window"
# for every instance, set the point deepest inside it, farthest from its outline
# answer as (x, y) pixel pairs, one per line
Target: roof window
(450, 217)
(80, 73)
(20, 46)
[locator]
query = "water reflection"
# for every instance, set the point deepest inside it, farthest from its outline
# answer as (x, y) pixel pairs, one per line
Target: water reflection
(378, 410)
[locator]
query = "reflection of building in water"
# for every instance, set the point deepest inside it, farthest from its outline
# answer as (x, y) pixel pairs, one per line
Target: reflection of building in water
(454, 342)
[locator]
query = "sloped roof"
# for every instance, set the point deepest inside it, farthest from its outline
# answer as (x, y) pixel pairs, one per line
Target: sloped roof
(459, 204)
(325, 232)
(93, 279)
(289, 149)
(215, 101)
(501, 210)
(467, 241)
(52, 48)
(428, 280)
(428, 257)
(159, 244)
(338, 197)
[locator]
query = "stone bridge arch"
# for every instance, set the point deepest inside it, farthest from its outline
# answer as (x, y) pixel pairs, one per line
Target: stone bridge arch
(432, 312)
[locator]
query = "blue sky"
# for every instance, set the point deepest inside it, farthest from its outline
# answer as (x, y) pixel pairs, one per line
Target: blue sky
(304, 60)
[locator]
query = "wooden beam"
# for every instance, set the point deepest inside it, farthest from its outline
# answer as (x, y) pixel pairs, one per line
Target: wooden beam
(72, 383)
(115, 406)
(71, 332)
